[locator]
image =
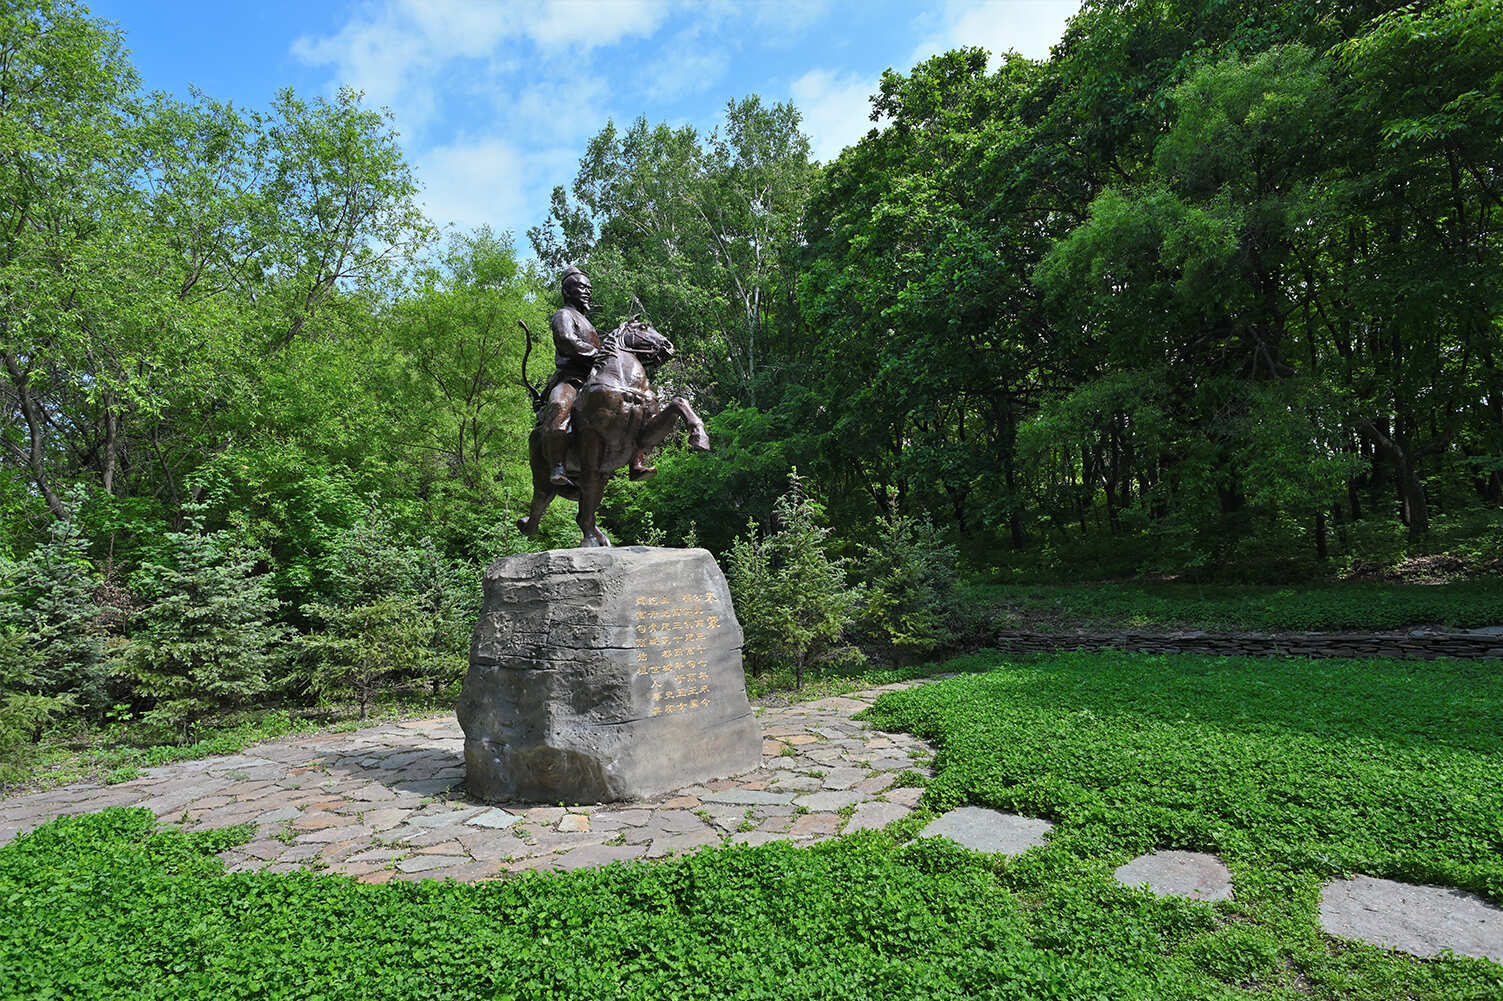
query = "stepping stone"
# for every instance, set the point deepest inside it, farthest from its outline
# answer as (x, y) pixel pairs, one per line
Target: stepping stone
(1179, 874)
(423, 863)
(1421, 920)
(442, 819)
(985, 830)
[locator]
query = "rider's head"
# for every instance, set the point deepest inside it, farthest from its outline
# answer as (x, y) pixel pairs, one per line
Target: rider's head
(576, 285)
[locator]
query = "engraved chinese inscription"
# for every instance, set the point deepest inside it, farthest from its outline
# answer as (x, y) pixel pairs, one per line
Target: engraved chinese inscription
(672, 641)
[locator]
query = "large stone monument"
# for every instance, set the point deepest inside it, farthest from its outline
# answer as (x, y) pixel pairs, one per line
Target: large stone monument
(601, 674)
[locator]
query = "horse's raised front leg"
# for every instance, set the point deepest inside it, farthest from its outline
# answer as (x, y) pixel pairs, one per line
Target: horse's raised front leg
(591, 489)
(655, 431)
(542, 496)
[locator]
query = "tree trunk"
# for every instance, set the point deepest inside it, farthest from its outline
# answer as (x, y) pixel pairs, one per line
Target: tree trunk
(111, 443)
(35, 427)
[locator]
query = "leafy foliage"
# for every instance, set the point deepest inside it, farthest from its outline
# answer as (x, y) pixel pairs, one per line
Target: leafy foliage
(52, 643)
(790, 593)
(207, 637)
(909, 574)
(1348, 606)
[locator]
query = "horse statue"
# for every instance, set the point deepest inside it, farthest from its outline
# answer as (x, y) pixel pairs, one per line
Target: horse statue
(615, 414)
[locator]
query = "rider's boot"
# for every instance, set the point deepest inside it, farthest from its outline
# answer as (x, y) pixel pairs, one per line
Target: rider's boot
(639, 469)
(555, 447)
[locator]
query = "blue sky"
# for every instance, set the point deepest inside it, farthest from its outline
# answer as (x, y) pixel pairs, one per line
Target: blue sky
(495, 100)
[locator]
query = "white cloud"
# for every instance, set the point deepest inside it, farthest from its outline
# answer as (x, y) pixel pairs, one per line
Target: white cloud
(586, 24)
(1027, 27)
(401, 53)
(487, 179)
(836, 110)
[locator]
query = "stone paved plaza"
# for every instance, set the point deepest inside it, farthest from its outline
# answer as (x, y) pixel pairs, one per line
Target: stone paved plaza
(382, 803)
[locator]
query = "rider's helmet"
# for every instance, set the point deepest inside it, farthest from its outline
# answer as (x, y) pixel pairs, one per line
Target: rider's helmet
(573, 276)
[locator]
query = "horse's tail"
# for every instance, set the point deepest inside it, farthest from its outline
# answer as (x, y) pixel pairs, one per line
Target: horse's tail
(537, 397)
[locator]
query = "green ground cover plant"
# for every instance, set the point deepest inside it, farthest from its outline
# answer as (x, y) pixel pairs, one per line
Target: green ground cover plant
(1293, 771)
(1148, 605)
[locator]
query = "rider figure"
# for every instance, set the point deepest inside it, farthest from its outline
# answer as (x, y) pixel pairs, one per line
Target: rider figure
(576, 346)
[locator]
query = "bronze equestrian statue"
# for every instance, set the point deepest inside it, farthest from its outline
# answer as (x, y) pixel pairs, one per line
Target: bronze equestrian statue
(598, 412)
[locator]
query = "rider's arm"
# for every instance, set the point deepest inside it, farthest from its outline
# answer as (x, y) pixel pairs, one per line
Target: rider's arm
(569, 340)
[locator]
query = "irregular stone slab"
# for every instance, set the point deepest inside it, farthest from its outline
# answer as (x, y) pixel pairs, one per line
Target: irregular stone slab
(1179, 874)
(747, 797)
(605, 674)
(875, 816)
(493, 819)
(590, 856)
(426, 787)
(756, 838)
(277, 816)
(905, 795)
(814, 825)
(674, 843)
(422, 863)
(985, 830)
(829, 800)
(1420, 920)
(442, 819)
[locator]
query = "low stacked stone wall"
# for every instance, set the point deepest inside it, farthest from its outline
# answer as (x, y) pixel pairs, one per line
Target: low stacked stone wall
(1421, 644)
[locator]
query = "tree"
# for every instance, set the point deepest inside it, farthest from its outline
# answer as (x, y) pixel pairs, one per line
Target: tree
(52, 643)
(909, 575)
(697, 230)
(790, 594)
(337, 204)
(455, 368)
(207, 638)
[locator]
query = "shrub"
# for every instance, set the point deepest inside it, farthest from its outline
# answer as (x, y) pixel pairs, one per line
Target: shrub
(909, 574)
(51, 640)
(207, 638)
(361, 648)
(790, 595)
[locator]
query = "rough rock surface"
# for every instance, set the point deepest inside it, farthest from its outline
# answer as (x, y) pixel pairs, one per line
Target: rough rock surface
(1422, 920)
(605, 674)
(1181, 874)
(984, 830)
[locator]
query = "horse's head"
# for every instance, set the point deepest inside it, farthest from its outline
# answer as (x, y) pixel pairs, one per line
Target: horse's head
(639, 337)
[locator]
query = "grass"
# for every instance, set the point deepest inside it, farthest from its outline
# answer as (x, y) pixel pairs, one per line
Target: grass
(1293, 771)
(1336, 606)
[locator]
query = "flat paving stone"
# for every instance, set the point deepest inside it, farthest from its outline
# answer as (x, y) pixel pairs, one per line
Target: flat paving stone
(747, 797)
(829, 800)
(1179, 874)
(422, 863)
(493, 819)
(984, 830)
(1420, 920)
(874, 816)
